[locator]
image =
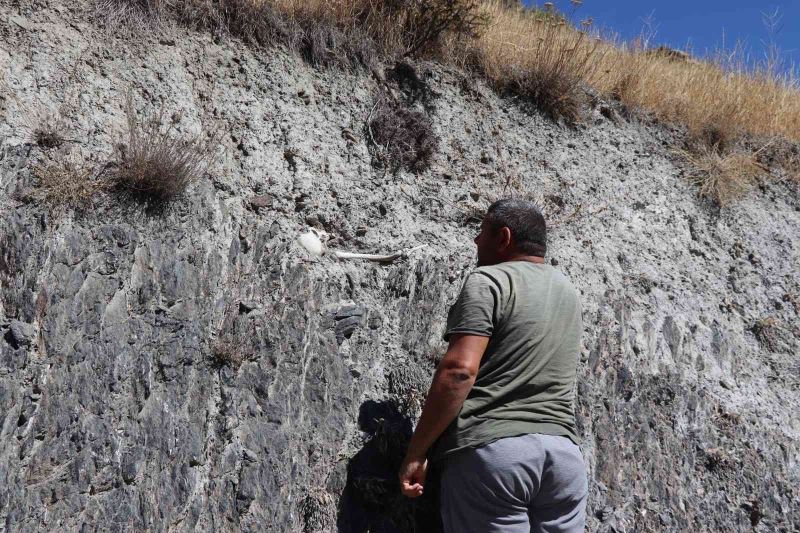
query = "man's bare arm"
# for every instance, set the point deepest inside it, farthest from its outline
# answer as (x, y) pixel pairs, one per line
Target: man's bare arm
(452, 381)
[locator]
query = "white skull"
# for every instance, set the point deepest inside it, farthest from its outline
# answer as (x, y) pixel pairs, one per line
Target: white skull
(313, 241)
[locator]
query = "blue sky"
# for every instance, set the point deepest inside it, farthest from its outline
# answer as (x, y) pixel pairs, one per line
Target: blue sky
(700, 23)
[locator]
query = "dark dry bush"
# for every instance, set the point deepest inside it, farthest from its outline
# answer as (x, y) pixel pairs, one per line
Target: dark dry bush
(404, 137)
(424, 22)
(411, 84)
(717, 131)
(556, 93)
(226, 351)
(127, 12)
(47, 129)
(159, 164)
(322, 44)
(47, 138)
(255, 22)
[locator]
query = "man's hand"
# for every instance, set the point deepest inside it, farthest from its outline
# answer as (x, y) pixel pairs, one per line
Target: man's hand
(412, 476)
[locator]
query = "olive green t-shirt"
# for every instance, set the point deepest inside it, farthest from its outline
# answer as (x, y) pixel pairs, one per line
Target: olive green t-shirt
(525, 383)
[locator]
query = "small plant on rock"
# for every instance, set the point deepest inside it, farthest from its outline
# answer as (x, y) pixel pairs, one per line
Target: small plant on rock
(424, 22)
(253, 21)
(403, 136)
(66, 184)
(45, 137)
(157, 163)
(721, 177)
(553, 77)
(227, 351)
(47, 129)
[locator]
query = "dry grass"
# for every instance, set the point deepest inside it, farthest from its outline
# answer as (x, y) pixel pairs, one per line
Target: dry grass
(227, 351)
(325, 32)
(722, 177)
(550, 62)
(66, 184)
(254, 22)
(156, 162)
(535, 54)
(403, 137)
(47, 129)
(325, 45)
(396, 26)
(722, 99)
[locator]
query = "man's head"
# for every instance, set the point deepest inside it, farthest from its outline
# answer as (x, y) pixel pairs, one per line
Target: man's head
(512, 228)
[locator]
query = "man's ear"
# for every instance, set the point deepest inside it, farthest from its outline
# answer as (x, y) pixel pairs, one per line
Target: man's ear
(505, 237)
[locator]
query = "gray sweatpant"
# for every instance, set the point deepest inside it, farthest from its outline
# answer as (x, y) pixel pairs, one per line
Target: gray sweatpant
(531, 483)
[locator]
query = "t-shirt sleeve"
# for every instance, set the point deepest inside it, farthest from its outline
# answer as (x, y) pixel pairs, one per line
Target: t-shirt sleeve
(475, 311)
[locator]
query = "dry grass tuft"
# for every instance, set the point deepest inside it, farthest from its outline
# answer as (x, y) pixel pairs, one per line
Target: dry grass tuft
(722, 97)
(158, 163)
(47, 128)
(535, 55)
(325, 45)
(66, 184)
(722, 177)
(131, 13)
(404, 137)
(47, 138)
(227, 351)
(254, 22)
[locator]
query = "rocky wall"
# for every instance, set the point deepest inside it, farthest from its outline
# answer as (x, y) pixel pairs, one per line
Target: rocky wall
(192, 368)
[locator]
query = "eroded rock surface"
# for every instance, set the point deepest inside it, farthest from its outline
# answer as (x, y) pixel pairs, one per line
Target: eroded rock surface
(115, 414)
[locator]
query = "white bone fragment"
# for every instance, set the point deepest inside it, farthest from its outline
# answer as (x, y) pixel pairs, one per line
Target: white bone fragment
(312, 242)
(378, 257)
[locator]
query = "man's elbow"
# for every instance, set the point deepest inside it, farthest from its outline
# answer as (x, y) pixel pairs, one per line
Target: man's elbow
(457, 375)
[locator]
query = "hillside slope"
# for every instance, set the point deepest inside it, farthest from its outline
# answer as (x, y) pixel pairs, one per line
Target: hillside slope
(114, 414)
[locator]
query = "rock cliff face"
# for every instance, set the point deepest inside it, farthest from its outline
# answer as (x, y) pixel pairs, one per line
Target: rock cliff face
(193, 368)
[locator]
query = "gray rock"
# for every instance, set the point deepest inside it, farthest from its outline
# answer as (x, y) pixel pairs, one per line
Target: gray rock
(112, 415)
(20, 334)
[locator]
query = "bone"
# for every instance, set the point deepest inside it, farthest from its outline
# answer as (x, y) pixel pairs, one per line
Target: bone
(313, 243)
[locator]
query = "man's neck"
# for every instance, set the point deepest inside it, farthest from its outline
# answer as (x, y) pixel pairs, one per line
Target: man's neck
(528, 258)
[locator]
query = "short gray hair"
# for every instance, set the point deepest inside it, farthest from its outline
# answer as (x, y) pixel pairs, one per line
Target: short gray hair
(524, 219)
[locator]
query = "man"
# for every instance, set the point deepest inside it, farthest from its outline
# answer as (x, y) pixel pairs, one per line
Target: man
(499, 413)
